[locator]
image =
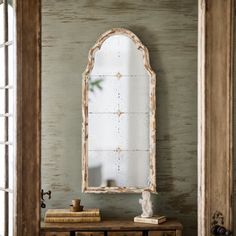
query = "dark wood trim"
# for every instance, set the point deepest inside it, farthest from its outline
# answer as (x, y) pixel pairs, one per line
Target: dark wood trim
(215, 113)
(28, 50)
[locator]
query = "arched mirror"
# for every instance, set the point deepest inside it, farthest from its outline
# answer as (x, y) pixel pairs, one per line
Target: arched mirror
(119, 107)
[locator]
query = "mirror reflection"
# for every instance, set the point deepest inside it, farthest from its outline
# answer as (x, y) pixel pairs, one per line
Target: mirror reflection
(118, 87)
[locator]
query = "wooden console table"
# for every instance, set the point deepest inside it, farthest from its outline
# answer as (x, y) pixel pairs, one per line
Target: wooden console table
(169, 228)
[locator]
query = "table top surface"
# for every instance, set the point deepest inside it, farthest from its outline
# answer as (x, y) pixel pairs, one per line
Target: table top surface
(111, 225)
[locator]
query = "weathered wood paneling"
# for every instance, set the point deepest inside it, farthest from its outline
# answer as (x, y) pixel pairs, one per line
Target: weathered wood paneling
(215, 113)
(28, 110)
(169, 29)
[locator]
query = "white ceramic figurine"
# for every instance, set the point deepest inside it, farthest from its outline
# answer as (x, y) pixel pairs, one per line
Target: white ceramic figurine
(146, 204)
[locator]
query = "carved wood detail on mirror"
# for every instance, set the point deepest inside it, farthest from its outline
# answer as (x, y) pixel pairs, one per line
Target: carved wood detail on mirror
(119, 109)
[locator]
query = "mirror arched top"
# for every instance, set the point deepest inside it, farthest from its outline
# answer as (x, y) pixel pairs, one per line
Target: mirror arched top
(119, 107)
(132, 41)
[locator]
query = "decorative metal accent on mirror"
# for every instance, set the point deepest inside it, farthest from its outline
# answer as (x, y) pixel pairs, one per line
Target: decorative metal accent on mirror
(119, 108)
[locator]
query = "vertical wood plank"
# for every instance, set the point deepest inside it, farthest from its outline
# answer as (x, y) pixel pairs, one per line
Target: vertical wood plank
(215, 152)
(178, 232)
(28, 25)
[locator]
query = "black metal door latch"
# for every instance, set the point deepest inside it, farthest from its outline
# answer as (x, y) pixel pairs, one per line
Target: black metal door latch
(217, 225)
(43, 204)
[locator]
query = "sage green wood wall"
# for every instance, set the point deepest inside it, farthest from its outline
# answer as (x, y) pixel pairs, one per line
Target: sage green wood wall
(169, 29)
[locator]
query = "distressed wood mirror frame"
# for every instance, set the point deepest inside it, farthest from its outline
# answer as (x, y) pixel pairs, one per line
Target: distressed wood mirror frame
(215, 93)
(151, 81)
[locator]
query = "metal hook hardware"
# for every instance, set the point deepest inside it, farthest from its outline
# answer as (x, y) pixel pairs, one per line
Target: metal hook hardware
(43, 204)
(217, 223)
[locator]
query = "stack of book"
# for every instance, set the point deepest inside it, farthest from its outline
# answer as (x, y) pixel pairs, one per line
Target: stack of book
(67, 216)
(156, 219)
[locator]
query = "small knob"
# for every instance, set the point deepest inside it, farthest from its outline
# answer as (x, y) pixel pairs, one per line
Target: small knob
(43, 205)
(220, 230)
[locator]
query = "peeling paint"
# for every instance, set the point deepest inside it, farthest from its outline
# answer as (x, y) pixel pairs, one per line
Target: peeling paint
(152, 110)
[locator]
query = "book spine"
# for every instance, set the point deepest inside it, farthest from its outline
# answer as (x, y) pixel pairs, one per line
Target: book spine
(73, 214)
(161, 220)
(150, 221)
(72, 219)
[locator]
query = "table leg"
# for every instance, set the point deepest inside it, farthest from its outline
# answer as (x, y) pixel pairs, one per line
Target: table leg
(145, 232)
(178, 233)
(105, 233)
(72, 233)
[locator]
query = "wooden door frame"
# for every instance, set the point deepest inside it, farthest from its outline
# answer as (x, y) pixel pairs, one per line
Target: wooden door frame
(215, 36)
(28, 109)
(215, 112)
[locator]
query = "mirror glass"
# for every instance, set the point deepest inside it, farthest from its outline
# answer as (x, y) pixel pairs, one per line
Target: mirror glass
(118, 93)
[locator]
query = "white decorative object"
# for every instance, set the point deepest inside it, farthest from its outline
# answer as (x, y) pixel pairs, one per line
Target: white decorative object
(146, 204)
